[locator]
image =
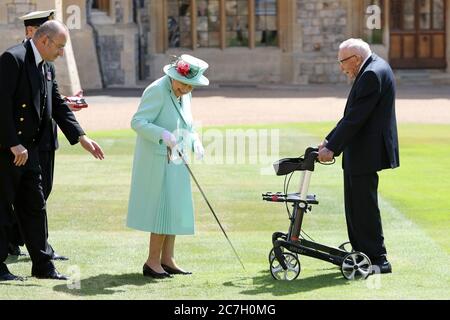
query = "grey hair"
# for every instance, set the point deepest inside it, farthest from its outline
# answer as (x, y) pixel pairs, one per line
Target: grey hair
(51, 29)
(358, 46)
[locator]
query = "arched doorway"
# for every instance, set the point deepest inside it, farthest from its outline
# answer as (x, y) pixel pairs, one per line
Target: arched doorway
(417, 39)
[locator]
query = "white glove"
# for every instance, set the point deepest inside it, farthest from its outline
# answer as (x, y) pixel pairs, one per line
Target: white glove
(169, 139)
(199, 151)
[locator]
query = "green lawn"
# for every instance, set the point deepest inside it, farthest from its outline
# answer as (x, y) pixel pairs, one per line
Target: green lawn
(87, 213)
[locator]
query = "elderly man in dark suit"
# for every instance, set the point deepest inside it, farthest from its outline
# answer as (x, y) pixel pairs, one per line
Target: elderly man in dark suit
(367, 137)
(29, 100)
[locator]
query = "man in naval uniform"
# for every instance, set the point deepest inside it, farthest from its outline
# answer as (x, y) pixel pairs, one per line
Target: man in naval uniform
(49, 141)
(30, 99)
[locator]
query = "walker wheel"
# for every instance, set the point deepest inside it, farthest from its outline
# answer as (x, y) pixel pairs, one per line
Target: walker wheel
(272, 254)
(356, 266)
(292, 271)
(347, 246)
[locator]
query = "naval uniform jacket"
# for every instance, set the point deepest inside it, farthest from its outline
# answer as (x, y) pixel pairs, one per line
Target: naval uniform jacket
(22, 119)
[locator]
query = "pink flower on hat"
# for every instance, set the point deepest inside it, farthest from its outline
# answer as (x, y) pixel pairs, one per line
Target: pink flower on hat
(183, 68)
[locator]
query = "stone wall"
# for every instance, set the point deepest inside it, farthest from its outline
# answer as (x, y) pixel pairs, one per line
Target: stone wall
(111, 47)
(12, 30)
(83, 44)
(324, 27)
(143, 24)
(117, 44)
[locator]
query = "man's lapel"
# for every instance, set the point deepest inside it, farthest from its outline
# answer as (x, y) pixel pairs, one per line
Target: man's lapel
(371, 58)
(34, 76)
(350, 95)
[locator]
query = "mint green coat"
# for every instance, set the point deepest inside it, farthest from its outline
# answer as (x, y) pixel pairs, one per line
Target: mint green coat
(160, 196)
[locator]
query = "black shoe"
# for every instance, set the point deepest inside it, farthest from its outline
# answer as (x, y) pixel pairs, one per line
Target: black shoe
(56, 256)
(384, 267)
(149, 272)
(174, 271)
(51, 274)
(8, 276)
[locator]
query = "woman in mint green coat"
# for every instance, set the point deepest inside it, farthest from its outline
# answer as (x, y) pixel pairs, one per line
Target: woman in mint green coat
(161, 197)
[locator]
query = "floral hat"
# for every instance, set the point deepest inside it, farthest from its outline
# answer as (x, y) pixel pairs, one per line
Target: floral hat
(188, 69)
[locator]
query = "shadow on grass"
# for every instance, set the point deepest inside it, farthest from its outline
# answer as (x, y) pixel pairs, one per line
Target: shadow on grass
(264, 284)
(15, 259)
(105, 284)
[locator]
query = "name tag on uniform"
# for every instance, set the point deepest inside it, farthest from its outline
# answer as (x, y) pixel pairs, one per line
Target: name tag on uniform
(49, 76)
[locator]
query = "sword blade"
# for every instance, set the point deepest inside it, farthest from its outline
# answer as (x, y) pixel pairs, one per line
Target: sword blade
(210, 208)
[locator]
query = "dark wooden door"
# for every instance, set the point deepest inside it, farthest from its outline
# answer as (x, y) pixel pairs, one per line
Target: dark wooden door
(417, 38)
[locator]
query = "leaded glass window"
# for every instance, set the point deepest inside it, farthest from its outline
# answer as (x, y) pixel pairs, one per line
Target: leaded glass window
(266, 23)
(208, 24)
(221, 23)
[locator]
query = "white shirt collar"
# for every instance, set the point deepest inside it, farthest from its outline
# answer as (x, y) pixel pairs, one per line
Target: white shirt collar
(37, 55)
(364, 62)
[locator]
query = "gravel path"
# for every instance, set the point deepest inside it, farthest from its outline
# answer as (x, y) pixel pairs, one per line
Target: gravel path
(113, 108)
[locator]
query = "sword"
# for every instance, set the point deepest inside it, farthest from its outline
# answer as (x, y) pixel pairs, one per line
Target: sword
(210, 207)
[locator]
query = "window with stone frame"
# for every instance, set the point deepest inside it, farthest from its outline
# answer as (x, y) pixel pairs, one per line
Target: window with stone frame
(266, 33)
(102, 5)
(422, 15)
(222, 23)
(208, 23)
(236, 13)
(373, 14)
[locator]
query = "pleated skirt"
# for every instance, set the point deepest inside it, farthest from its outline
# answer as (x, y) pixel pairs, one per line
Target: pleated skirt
(167, 209)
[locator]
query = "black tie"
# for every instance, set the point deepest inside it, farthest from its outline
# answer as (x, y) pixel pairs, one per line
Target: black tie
(40, 67)
(42, 72)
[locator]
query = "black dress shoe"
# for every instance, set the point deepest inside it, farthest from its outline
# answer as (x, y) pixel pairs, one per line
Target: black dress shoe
(174, 271)
(8, 276)
(56, 256)
(52, 274)
(149, 272)
(384, 267)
